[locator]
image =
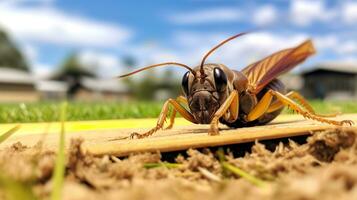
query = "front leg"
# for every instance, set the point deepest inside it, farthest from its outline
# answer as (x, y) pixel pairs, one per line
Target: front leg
(161, 120)
(231, 103)
(183, 101)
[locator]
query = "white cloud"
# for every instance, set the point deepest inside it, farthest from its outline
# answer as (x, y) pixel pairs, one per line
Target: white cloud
(191, 46)
(239, 52)
(348, 59)
(223, 14)
(337, 45)
(299, 13)
(265, 15)
(257, 46)
(349, 12)
(197, 39)
(305, 12)
(104, 64)
(326, 42)
(35, 1)
(49, 25)
(30, 52)
(42, 71)
(347, 47)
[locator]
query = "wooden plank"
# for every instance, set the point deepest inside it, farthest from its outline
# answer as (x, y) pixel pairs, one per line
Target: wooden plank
(107, 141)
(196, 137)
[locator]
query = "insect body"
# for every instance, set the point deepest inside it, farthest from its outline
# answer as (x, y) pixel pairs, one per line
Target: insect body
(214, 93)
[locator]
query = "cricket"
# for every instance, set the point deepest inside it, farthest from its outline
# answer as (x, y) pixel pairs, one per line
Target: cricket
(254, 96)
(178, 100)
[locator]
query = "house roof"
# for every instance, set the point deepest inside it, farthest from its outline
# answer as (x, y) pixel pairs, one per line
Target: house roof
(347, 67)
(9, 75)
(51, 86)
(104, 85)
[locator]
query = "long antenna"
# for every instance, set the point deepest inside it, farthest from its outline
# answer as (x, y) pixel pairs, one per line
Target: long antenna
(216, 47)
(157, 65)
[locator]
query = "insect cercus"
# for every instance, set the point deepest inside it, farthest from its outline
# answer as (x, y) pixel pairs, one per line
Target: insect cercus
(214, 93)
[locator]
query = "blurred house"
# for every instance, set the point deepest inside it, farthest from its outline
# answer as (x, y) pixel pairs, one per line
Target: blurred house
(52, 90)
(92, 89)
(17, 86)
(87, 89)
(292, 81)
(21, 86)
(76, 83)
(333, 80)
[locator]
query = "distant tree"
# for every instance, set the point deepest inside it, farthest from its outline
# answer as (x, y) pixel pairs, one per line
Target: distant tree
(147, 86)
(150, 82)
(143, 88)
(71, 71)
(10, 56)
(129, 61)
(170, 83)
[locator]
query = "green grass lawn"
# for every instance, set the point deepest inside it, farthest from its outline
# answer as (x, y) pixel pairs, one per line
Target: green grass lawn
(49, 111)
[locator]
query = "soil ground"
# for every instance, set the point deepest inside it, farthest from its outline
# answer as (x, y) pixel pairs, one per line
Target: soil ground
(318, 166)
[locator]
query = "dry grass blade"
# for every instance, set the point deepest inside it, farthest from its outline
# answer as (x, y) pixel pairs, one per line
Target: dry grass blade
(235, 170)
(58, 175)
(15, 190)
(209, 174)
(161, 164)
(8, 133)
(243, 174)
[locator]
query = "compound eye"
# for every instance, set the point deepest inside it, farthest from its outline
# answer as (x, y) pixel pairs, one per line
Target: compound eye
(220, 79)
(184, 83)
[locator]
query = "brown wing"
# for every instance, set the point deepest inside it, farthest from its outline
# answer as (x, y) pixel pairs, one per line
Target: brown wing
(262, 72)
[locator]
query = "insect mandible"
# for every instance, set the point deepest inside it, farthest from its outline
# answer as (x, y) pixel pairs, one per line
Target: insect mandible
(214, 93)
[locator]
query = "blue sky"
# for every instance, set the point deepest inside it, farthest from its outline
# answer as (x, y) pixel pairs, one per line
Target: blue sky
(102, 32)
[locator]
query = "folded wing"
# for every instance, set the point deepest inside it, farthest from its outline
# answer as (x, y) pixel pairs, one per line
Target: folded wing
(262, 72)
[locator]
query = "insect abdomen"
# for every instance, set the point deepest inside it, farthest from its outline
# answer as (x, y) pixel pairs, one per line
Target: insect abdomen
(276, 85)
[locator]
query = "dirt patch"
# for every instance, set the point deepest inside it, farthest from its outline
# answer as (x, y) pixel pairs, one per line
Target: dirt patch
(322, 168)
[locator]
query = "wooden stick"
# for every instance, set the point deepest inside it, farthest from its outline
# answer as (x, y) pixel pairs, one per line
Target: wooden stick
(184, 140)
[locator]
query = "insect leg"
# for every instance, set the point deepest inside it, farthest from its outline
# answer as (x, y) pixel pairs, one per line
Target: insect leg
(263, 105)
(233, 110)
(301, 100)
(231, 103)
(182, 100)
(161, 120)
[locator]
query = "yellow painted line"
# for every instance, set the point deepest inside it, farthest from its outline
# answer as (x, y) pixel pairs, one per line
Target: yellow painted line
(77, 126)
